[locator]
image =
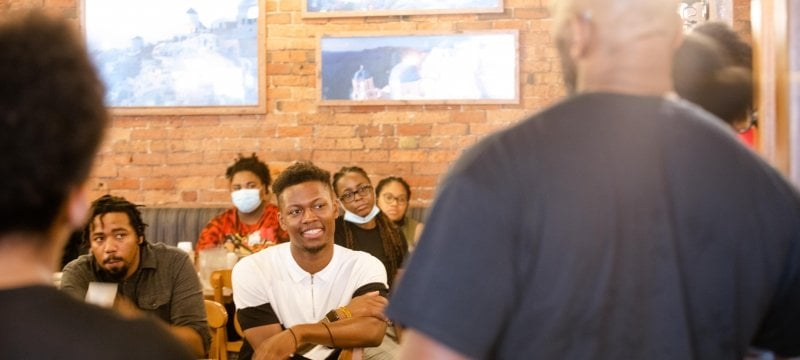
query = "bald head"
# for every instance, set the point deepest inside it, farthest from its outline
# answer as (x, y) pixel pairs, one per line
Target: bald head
(614, 37)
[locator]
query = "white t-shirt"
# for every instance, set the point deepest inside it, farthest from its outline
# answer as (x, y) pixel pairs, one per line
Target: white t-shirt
(297, 297)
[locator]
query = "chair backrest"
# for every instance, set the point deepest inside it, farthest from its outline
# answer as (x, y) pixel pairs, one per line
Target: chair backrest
(221, 280)
(217, 320)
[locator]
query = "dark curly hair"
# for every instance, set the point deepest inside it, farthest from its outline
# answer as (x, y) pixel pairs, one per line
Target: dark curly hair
(251, 164)
(298, 173)
(113, 204)
(52, 118)
(738, 50)
(704, 74)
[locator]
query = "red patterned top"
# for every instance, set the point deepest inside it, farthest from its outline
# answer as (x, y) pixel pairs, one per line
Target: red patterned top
(267, 230)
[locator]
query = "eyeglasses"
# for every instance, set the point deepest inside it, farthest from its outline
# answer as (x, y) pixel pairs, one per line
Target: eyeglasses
(362, 191)
(391, 199)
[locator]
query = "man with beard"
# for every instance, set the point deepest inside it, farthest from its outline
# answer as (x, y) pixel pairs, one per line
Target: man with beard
(611, 225)
(308, 292)
(152, 278)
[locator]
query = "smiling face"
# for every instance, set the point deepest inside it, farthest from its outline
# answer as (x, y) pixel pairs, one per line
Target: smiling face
(393, 200)
(114, 244)
(308, 213)
(361, 198)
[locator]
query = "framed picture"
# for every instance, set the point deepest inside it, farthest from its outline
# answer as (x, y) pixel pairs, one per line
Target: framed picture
(453, 68)
(696, 12)
(178, 56)
(355, 8)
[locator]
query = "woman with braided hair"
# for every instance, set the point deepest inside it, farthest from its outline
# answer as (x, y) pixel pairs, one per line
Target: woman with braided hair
(363, 226)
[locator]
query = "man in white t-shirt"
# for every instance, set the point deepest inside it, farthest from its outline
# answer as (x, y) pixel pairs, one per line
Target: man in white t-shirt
(293, 296)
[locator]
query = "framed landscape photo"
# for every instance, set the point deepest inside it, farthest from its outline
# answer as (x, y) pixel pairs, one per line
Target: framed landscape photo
(398, 69)
(357, 8)
(178, 56)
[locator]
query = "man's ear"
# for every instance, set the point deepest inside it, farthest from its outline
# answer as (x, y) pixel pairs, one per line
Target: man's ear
(141, 240)
(78, 206)
(281, 220)
(336, 206)
(583, 35)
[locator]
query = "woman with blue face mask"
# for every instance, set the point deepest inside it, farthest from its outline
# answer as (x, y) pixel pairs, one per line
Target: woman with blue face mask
(252, 224)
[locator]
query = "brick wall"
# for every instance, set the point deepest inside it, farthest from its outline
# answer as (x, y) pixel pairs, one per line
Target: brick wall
(180, 160)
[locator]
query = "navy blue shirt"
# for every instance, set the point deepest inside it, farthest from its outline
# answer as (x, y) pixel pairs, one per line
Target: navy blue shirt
(609, 227)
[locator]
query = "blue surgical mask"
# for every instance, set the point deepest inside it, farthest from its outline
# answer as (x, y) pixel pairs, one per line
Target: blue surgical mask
(246, 200)
(353, 218)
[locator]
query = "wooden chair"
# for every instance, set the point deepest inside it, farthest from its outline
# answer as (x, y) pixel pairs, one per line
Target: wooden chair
(217, 320)
(220, 280)
(352, 354)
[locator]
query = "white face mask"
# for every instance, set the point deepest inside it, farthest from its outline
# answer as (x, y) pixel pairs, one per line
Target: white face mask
(353, 218)
(246, 200)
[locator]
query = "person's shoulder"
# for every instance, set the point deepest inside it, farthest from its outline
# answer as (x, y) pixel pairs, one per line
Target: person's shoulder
(112, 336)
(81, 263)
(142, 338)
(272, 208)
(227, 216)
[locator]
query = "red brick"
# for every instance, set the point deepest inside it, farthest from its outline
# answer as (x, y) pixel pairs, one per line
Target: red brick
(414, 129)
(158, 184)
(123, 184)
(469, 117)
(408, 155)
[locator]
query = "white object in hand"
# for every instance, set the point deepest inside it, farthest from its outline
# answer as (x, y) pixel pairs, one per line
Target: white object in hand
(101, 294)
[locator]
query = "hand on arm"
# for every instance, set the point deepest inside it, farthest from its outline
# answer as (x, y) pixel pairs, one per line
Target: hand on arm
(365, 327)
(368, 305)
(345, 333)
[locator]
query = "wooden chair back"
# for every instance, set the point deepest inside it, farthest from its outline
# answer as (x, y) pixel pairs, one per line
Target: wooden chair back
(217, 320)
(221, 280)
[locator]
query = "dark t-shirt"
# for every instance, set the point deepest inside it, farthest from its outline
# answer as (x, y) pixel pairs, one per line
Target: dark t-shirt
(609, 227)
(40, 322)
(367, 240)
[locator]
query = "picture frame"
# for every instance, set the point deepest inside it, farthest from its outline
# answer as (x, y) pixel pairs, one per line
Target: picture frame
(470, 67)
(696, 12)
(359, 8)
(180, 56)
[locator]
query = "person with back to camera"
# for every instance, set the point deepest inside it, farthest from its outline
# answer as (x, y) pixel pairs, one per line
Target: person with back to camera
(252, 223)
(393, 199)
(308, 291)
(153, 279)
(52, 120)
(363, 226)
(610, 225)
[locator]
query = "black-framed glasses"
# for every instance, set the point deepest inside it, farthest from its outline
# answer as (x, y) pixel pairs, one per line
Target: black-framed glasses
(362, 191)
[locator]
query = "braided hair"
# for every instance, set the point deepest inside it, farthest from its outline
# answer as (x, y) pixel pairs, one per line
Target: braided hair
(394, 246)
